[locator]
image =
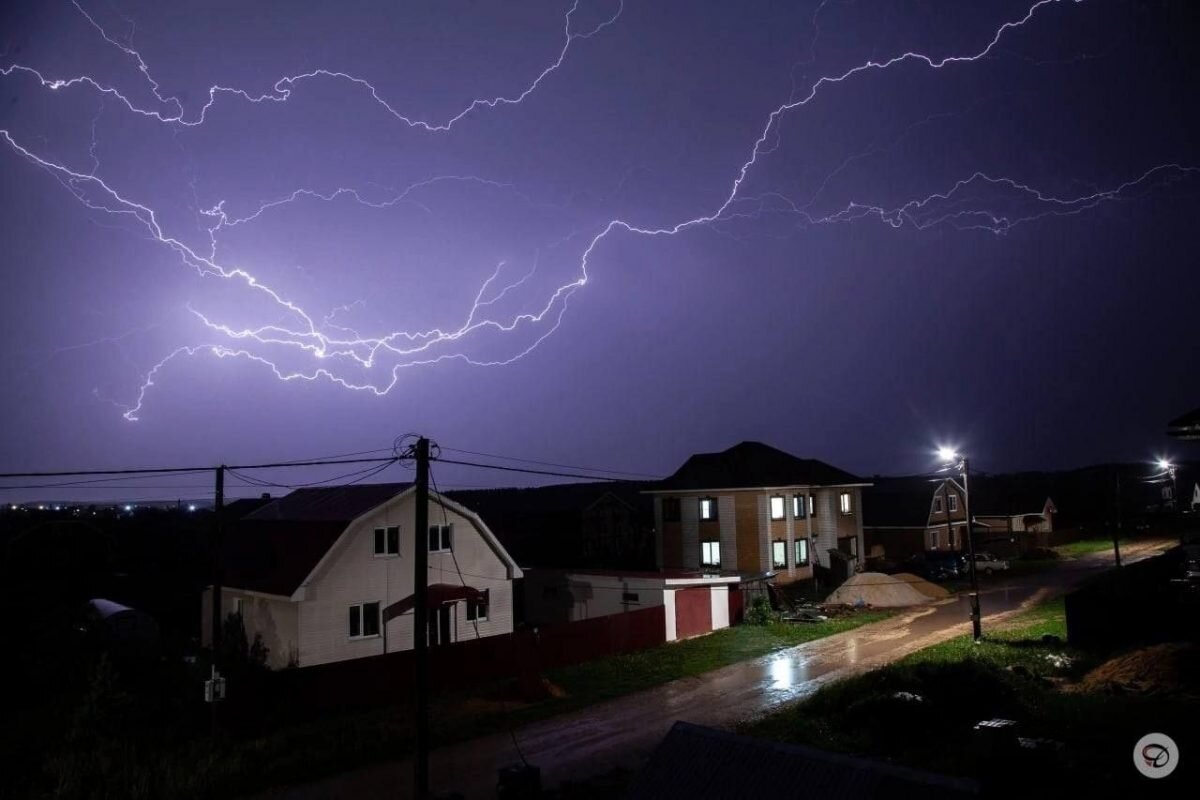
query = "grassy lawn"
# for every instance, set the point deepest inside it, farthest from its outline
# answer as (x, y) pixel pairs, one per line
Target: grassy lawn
(1014, 674)
(1087, 546)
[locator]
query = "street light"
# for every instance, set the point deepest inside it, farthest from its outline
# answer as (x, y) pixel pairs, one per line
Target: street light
(953, 461)
(1165, 465)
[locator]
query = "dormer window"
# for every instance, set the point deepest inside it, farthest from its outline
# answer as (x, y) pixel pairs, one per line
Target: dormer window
(440, 538)
(953, 503)
(937, 504)
(708, 508)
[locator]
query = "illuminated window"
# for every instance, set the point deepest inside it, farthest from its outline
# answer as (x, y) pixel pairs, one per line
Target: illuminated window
(710, 554)
(779, 554)
(670, 509)
(801, 552)
(439, 538)
(364, 620)
(937, 504)
(844, 500)
(387, 541)
(798, 506)
(812, 506)
(778, 509)
(708, 508)
(953, 503)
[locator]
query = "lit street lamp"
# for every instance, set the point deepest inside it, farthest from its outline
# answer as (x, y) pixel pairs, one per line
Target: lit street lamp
(952, 460)
(1168, 468)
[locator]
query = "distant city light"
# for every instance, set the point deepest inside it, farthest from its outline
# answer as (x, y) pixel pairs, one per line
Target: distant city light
(41, 508)
(191, 506)
(129, 508)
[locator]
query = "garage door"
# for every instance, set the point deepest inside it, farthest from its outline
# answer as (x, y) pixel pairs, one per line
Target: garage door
(693, 612)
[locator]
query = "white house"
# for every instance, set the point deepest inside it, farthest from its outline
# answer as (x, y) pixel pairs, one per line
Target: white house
(327, 574)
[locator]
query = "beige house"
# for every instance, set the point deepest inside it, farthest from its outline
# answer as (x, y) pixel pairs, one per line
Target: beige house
(327, 574)
(753, 509)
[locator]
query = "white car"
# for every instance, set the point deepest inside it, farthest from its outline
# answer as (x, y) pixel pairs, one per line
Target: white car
(987, 563)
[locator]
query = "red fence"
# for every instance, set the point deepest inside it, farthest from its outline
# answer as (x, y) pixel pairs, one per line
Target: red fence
(388, 678)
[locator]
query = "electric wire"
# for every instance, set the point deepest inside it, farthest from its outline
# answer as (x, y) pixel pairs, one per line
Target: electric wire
(553, 464)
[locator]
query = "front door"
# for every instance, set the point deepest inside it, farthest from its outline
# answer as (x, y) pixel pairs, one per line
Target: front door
(439, 624)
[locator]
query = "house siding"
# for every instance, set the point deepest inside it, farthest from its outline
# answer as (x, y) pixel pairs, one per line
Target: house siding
(746, 514)
(353, 574)
(727, 514)
(275, 619)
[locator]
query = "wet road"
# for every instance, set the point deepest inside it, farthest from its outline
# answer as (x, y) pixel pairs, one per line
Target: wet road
(622, 732)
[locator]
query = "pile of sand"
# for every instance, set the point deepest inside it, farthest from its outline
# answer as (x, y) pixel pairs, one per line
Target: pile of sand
(879, 590)
(1172, 669)
(923, 586)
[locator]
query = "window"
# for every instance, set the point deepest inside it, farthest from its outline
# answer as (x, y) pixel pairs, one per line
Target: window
(798, 509)
(710, 554)
(801, 552)
(439, 538)
(670, 509)
(937, 504)
(629, 597)
(844, 500)
(708, 508)
(777, 508)
(812, 506)
(779, 554)
(235, 607)
(477, 608)
(387, 541)
(364, 620)
(953, 503)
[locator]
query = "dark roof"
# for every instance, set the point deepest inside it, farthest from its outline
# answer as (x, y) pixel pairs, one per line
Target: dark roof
(246, 505)
(751, 465)
(329, 503)
(275, 547)
(1186, 426)
(543, 526)
(696, 763)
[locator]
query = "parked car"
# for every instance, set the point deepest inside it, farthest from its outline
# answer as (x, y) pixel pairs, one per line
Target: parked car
(936, 565)
(985, 563)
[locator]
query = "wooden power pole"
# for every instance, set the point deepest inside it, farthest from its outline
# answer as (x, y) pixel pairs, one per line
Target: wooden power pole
(421, 619)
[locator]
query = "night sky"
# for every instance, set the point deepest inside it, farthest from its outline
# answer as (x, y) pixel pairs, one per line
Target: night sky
(790, 230)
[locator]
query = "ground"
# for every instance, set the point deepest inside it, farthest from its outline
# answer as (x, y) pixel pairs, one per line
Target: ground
(620, 733)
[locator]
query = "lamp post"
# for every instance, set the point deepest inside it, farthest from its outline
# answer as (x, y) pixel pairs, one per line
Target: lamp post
(952, 460)
(1168, 468)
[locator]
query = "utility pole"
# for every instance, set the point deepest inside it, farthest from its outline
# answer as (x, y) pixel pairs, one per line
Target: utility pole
(421, 619)
(975, 615)
(218, 577)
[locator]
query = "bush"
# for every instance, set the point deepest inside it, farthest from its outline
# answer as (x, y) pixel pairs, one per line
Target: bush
(760, 611)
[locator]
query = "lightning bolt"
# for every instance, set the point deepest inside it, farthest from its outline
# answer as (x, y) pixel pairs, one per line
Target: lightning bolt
(373, 364)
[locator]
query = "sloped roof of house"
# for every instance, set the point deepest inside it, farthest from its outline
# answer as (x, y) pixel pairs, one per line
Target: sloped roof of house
(752, 465)
(275, 547)
(697, 763)
(542, 526)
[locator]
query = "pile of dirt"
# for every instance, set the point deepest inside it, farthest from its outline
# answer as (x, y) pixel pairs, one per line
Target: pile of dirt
(931, 590)
(1168, 669)
(879, 590)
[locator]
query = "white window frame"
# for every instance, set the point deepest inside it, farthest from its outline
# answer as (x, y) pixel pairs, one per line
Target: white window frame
(779, 544)
(362, 619)
(937, 504)
(711, 508)
(953, 503)
(383, 531)
(445, 538)
(485, 605)
(812, 506)
(710, 548)
(801, 562)
(782, 504)
(845, 503)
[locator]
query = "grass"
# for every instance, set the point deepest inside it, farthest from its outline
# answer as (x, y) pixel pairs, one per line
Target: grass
(1013, 674)
(1087, 546)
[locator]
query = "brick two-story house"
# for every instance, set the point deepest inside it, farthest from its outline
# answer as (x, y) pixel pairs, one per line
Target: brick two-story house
(753, 509)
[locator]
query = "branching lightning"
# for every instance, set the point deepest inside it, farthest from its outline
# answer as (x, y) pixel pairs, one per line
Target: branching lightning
(343, 356)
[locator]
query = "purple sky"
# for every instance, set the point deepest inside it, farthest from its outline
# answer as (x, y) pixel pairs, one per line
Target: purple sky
(990, 241)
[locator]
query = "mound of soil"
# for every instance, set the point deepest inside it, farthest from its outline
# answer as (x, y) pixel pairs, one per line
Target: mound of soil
(1167, 669)
(879, 590)
(923, 586)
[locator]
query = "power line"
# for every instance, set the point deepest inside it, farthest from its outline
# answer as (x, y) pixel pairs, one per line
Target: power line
(182, 470)
(553, 464)
(529, 471)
